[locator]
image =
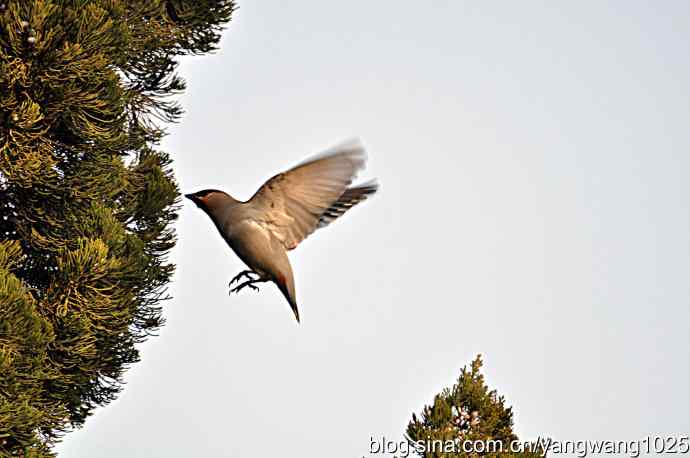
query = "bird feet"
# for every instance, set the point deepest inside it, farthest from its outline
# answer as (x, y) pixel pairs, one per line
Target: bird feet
(241, 286)
(244, 273)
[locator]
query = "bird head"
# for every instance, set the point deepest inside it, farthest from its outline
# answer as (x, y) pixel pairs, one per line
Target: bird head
(208, 199)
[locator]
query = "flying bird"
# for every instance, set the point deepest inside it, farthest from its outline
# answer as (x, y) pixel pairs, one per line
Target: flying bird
(284, 211)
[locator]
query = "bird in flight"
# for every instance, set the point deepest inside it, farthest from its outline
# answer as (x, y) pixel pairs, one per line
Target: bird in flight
(284, 211)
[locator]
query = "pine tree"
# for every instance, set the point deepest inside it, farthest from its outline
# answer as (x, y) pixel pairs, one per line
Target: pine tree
(86, 198)
(469, 414)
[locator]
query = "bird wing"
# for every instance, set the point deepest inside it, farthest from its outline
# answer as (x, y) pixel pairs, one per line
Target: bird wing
(351, 197)
(291, 204)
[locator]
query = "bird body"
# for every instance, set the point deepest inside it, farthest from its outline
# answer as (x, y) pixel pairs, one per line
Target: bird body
(284, 211)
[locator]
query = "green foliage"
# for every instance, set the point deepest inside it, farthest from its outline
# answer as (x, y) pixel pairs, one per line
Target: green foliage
(470, 413)
(86, 199)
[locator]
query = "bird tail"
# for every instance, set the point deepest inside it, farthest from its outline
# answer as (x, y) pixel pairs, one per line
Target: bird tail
(287, 287)
(348, 199)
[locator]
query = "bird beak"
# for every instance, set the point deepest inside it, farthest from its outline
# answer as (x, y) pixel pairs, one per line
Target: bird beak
(194, 199)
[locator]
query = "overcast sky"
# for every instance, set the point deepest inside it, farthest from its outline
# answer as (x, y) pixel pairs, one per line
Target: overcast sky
(534, 207)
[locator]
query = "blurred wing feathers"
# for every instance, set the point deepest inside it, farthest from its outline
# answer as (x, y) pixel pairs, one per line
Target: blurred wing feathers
(351, 197)
(293, 204)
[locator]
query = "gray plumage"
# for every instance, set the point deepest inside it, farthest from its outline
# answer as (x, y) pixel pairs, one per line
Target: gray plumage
(284, 211)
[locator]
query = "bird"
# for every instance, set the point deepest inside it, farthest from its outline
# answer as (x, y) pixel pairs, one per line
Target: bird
(285, 210)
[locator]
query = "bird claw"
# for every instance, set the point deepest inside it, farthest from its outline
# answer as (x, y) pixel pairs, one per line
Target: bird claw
(241, 286)
(244, 273)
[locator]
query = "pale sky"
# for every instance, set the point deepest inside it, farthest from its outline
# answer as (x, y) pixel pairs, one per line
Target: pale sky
(534, 207)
